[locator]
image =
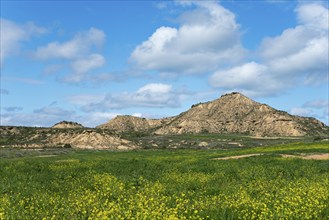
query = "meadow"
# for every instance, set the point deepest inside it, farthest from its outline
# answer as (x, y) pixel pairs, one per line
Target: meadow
(167, 184)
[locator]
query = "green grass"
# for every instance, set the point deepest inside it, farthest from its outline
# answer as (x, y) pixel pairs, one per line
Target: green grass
(166, 184)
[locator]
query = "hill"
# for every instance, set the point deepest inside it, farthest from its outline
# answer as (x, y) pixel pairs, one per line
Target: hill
(67, 124)
(30, 137)
(236, 113)
(127, 123)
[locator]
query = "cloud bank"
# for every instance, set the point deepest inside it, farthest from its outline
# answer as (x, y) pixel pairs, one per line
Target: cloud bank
(153, 95)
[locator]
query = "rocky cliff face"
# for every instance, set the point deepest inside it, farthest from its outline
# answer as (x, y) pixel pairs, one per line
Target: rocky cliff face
(126, 123)
(235, 113)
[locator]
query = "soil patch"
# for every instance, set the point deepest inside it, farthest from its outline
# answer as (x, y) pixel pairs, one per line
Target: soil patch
(324, 156)
(237, 157)
(49, 155)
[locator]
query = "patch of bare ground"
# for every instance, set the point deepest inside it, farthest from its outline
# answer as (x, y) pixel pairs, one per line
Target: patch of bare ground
(324, 156)
(49, 155)
(237, 157)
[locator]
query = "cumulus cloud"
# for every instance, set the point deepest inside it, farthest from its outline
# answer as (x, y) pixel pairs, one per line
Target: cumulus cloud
(207, 38)
(13, 34)
(303, 50)
(298, 55)
(79, 51)
(80, 45)
(313, 15)
(252, 79)
(82, 66)
(153, 95)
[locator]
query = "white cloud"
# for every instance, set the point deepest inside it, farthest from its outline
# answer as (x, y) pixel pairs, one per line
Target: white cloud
(301, 51)
(207, 38)
(252, 79)
(82, 66)
(79, 51)
(45, 116)
(137, 114)
(13, 34)
(96, 118)
(313, 15)
(155, 88)
(298, 56)
(80, 45)
(301, 112)
(153, 95)
(49, 115)
(85, 64)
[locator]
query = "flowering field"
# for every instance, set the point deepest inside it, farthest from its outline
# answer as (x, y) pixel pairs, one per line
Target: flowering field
(164, 184)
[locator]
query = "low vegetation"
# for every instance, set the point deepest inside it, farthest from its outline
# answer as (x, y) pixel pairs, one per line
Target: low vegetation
(165, 184)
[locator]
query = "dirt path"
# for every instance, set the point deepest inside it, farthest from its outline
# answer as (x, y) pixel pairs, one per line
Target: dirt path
(47, 155)
(237, 157)
(323, 156)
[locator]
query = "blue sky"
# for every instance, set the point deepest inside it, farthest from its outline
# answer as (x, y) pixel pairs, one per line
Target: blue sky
(88, 61)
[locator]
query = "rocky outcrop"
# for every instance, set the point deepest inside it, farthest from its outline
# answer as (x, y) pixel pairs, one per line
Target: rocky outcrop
(126, 123)
(67, 124)
(235, 113)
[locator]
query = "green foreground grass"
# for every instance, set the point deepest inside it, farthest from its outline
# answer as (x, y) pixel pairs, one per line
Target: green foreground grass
(167, 184)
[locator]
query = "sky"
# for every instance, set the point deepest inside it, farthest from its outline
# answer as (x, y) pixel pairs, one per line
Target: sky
(88, 61)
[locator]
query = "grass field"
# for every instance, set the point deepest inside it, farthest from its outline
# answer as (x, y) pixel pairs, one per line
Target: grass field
(165, 184)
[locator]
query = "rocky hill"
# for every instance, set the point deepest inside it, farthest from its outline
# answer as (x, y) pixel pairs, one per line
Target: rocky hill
(29, 137)
(67, 124)
(236, 113)
(127, 123)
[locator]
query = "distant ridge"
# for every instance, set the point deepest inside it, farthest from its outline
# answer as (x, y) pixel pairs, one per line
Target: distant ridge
(127, 123)
(67, 124)
(231, 113)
